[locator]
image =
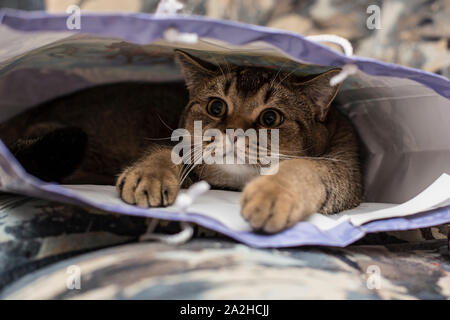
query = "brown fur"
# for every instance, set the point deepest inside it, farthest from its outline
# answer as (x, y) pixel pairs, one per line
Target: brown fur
(319, 169)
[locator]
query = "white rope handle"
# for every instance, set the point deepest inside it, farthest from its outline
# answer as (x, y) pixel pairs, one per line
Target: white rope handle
(182, 203)
(185, 200)
(171, 7)
(173, 35)
(186, 233)
(348, 69)
(332, 38)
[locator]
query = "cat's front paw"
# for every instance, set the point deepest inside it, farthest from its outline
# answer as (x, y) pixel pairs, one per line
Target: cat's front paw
(148, 186)
(269, 205)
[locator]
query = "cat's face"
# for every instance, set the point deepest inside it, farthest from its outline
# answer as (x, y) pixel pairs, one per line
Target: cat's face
(231, 97)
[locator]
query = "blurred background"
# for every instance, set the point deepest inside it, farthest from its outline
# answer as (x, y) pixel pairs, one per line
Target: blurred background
(413, 33)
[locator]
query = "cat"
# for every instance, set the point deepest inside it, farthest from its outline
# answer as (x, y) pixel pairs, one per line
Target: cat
(91, 135)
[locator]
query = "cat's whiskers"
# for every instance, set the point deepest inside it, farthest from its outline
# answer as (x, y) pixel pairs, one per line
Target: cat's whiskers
(163, 122)
(282, 151)
(192, 166)
(276, 75)
(259, 148)
(283, 156)
(158, 139)
(198, 154)
(218, 64)
(177, 136)
(281, 81)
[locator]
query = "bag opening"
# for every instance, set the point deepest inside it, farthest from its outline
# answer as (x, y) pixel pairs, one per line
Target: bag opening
(402, 125)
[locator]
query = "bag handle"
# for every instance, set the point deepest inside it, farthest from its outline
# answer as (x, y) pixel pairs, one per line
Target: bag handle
(348, 69)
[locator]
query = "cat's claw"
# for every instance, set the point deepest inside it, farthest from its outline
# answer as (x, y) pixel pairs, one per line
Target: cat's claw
(146, 187)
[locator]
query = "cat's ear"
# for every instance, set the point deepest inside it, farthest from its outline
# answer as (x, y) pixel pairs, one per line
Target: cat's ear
(318, 89)
(194, 70)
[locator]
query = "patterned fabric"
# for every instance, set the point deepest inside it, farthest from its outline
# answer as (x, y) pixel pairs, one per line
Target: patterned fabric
(222, 270)
(35, 233)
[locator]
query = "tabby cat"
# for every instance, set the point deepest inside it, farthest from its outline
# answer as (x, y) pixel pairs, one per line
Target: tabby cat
(91, 135)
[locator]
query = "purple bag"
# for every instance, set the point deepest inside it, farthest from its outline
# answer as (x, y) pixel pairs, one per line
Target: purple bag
(402, 115)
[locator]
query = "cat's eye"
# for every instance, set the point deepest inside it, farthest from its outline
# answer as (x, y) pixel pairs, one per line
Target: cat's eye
(270, 118)
(217, 108)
